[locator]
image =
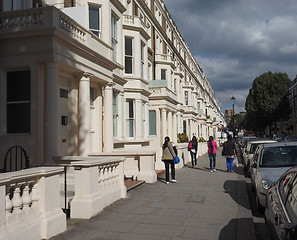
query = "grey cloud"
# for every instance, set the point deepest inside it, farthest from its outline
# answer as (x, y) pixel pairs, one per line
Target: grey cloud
(237, 40)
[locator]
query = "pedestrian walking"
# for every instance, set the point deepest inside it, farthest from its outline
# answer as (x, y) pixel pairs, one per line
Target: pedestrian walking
(212, 153)
(229, 152)
(169, 152)
(193, 148)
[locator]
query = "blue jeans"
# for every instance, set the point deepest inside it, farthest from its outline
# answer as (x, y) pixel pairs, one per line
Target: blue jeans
(193, 158)
(212, 160)
(229, 162)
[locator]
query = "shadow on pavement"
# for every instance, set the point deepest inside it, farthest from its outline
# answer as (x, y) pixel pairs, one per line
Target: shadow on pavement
(230, 187)
(238, 228)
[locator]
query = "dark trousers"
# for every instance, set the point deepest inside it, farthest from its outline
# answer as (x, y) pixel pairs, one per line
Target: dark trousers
(193, 158)
(167, 162)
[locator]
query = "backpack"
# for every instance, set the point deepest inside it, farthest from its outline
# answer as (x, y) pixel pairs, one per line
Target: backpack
(211, 146)
(190, 146)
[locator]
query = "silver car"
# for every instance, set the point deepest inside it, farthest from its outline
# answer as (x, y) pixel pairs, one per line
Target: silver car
(269, 163)
(250, 150)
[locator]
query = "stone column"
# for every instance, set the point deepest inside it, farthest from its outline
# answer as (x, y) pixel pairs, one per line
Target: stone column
(170, 125)
(164, 124)
(138, 119)
(121, 115)
(174, 130)
(146, 120)
(51, 112)
(84, 133)
(107, 119)
(179, 123)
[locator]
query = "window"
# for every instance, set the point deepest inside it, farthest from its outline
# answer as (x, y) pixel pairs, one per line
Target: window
(37, 3)
(115, 113)
(142, 60)
(114, 41)
(92, 96)
(186, 97)
(152, 123)
(128, 55)
(198, 106)
(13, 5)
(163, 74)
(130, 117)
(18, 97)
(94, 20)
(63, 93)
(184, 126)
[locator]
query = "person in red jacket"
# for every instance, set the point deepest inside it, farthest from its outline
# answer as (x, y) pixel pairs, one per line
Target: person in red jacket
(212, 152)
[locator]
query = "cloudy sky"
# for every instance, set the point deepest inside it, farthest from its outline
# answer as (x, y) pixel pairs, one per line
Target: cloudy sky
(234, 41)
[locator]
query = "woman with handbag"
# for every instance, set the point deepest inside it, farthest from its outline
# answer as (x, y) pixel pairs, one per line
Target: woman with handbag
(168, 154)
(212, 152)
(229, 152)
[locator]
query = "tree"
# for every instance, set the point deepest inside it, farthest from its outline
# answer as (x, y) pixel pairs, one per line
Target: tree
(267, 101)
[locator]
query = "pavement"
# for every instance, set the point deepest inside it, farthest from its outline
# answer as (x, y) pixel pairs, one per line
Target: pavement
(201, 205)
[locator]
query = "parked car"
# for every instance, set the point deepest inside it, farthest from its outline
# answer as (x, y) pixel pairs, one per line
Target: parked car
(244, 142)
(270, 161)
(250, 150)
(281, 207)
(292, 138)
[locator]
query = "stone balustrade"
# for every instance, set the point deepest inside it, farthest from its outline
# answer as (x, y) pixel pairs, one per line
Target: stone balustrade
(29, 204)
(96, 181)
(140, 165)
(43, 20)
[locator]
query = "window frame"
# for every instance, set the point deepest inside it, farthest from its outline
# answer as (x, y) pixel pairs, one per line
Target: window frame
(96, 32)
(9, 103)
(130, 120)
(129, 57)
(114, 35)
(152, 126)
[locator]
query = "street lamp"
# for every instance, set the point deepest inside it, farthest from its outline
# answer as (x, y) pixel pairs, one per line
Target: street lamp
(233, 102)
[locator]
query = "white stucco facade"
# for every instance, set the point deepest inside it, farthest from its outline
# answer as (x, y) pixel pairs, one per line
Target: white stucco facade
(99, 78)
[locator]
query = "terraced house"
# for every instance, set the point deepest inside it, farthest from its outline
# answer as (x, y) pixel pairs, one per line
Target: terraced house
(90, 89)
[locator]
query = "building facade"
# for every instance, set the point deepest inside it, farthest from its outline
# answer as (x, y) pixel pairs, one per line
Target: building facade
(83, 77)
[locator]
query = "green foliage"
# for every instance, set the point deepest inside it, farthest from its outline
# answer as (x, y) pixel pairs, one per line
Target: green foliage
(267, 101)
(239, 122)
(201, 139)
(182, 137)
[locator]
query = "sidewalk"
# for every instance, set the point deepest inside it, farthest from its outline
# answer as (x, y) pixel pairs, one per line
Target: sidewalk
(201, 205)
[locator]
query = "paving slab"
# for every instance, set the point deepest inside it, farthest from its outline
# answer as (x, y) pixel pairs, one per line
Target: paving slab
(201, 205)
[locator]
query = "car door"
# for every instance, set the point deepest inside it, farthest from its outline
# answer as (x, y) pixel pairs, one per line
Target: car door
(275, 212)
(254, 167)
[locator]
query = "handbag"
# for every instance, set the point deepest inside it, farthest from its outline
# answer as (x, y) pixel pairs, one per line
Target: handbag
(190, 146)
(176, 159)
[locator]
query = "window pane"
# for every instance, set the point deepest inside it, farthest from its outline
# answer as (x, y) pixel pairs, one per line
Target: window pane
(128, 65)
(128, 46)
(131, 110)
(152, 122)
(93, 17)
(18, 86)
(18, 118)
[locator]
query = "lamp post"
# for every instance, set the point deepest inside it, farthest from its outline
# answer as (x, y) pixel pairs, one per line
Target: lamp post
(233, 127)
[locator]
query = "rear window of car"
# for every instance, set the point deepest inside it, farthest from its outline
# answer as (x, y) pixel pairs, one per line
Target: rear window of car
(279, 156)
(253, 147)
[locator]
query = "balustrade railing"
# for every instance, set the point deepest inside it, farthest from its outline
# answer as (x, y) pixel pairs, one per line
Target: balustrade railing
(31, 208)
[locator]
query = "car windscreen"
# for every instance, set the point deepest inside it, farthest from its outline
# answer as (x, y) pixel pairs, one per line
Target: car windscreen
(279, 156)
